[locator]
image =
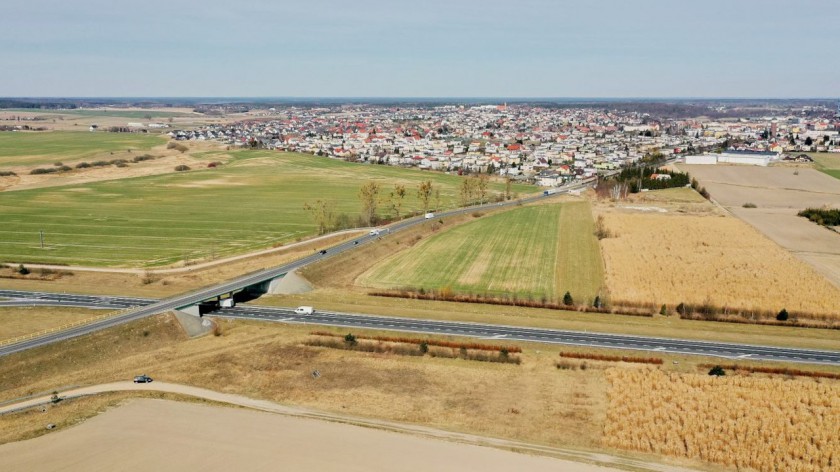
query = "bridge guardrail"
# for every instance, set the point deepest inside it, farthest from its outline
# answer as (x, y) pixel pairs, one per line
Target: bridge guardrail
(86, 321)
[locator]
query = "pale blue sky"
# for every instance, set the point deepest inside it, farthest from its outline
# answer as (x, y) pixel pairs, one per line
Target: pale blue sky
(428, 48)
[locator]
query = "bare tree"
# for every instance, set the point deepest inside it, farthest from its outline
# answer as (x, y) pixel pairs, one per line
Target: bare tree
(481, 187)
(397, 196)
(424, 193)
(507, 188)
(323, 212)
(369, 196)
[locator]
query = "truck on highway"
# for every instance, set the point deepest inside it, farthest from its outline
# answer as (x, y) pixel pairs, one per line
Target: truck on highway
(304, 310)
(550, 191)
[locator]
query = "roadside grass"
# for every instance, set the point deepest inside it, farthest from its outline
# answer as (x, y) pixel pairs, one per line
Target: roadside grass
(338, 299)
(535, 251)
(46, 148)
(253, 202)
(19, 321)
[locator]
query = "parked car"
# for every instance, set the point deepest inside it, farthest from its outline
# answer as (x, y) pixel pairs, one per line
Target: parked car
(304, 310)
(142, 379)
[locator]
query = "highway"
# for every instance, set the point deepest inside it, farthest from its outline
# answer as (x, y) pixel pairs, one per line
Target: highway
(252, 278)
(496, 333)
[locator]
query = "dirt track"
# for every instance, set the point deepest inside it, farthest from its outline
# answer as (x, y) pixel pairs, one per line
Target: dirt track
(165, 435)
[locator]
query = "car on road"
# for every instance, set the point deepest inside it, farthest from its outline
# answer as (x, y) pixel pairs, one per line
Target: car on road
(304, 310)
(142, 379)
(374, 232)
(323, 251)
(429, 216)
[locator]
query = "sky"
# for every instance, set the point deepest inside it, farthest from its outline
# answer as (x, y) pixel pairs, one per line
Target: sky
(428, 48)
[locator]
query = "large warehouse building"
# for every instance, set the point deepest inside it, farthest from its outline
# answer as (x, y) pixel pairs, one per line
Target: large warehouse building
(753, 158)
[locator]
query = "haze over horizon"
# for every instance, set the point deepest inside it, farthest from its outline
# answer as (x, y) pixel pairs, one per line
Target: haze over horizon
(375, 48)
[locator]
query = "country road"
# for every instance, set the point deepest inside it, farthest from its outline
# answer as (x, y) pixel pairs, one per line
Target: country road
(598, 459)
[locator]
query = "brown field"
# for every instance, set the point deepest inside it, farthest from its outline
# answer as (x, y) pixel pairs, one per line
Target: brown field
(701, 257)
(750, 423)
(779, 194)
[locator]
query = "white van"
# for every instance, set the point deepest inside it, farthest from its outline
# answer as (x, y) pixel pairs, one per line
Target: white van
(429, 216)
(374, 232)
(304, 310)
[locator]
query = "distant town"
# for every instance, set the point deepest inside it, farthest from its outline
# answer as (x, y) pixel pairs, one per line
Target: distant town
(543, 145)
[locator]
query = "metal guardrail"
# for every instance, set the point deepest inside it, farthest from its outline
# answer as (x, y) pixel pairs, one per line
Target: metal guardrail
(37, 334)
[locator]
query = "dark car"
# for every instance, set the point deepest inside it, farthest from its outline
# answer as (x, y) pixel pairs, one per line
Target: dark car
(323, 251)
(141, 379)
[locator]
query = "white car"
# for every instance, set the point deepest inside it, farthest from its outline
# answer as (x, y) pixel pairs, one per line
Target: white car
(374, 232)
(304, 310)
(429, 216)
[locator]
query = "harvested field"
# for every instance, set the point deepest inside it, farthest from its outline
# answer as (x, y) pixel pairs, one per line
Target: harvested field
(779, 193)
(749, 423)
(671, 259)
(537, 251)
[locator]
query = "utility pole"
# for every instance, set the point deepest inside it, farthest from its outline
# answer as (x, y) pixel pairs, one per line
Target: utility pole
(41, 233)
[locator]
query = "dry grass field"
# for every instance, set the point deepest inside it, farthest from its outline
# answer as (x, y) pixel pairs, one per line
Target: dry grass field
(702, 256)
(779, 193)
(748, 423)
(531, 401)
(25, 320)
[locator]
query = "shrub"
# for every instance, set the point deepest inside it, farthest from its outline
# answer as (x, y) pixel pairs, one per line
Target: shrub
(783, 315)
(22, 270)
(217, 329)
(64, 169)
(350, 340)
(100, 164)
(663, 311)
(568, 300)
(749, 205)
(82, 165)
(7, 173)
(41, 171)
(717, 371)
(182, 168)
(171, 145)
(58, 164)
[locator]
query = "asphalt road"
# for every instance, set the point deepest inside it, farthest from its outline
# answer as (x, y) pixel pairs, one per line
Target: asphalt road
(497, 333)
(239, 283)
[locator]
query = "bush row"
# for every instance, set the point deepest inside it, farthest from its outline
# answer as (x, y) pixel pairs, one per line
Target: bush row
(774, 370)
(429, 342)
(504, 300)
(411, 350)
(607, 358)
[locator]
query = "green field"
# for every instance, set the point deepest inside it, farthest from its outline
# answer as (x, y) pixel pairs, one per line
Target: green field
(827, 162)
(39, 148)
(253, 202)
(541, 251)
(114, 113)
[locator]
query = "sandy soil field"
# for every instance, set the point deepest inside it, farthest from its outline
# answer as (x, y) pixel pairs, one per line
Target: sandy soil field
(779, 194)
(160, 435)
